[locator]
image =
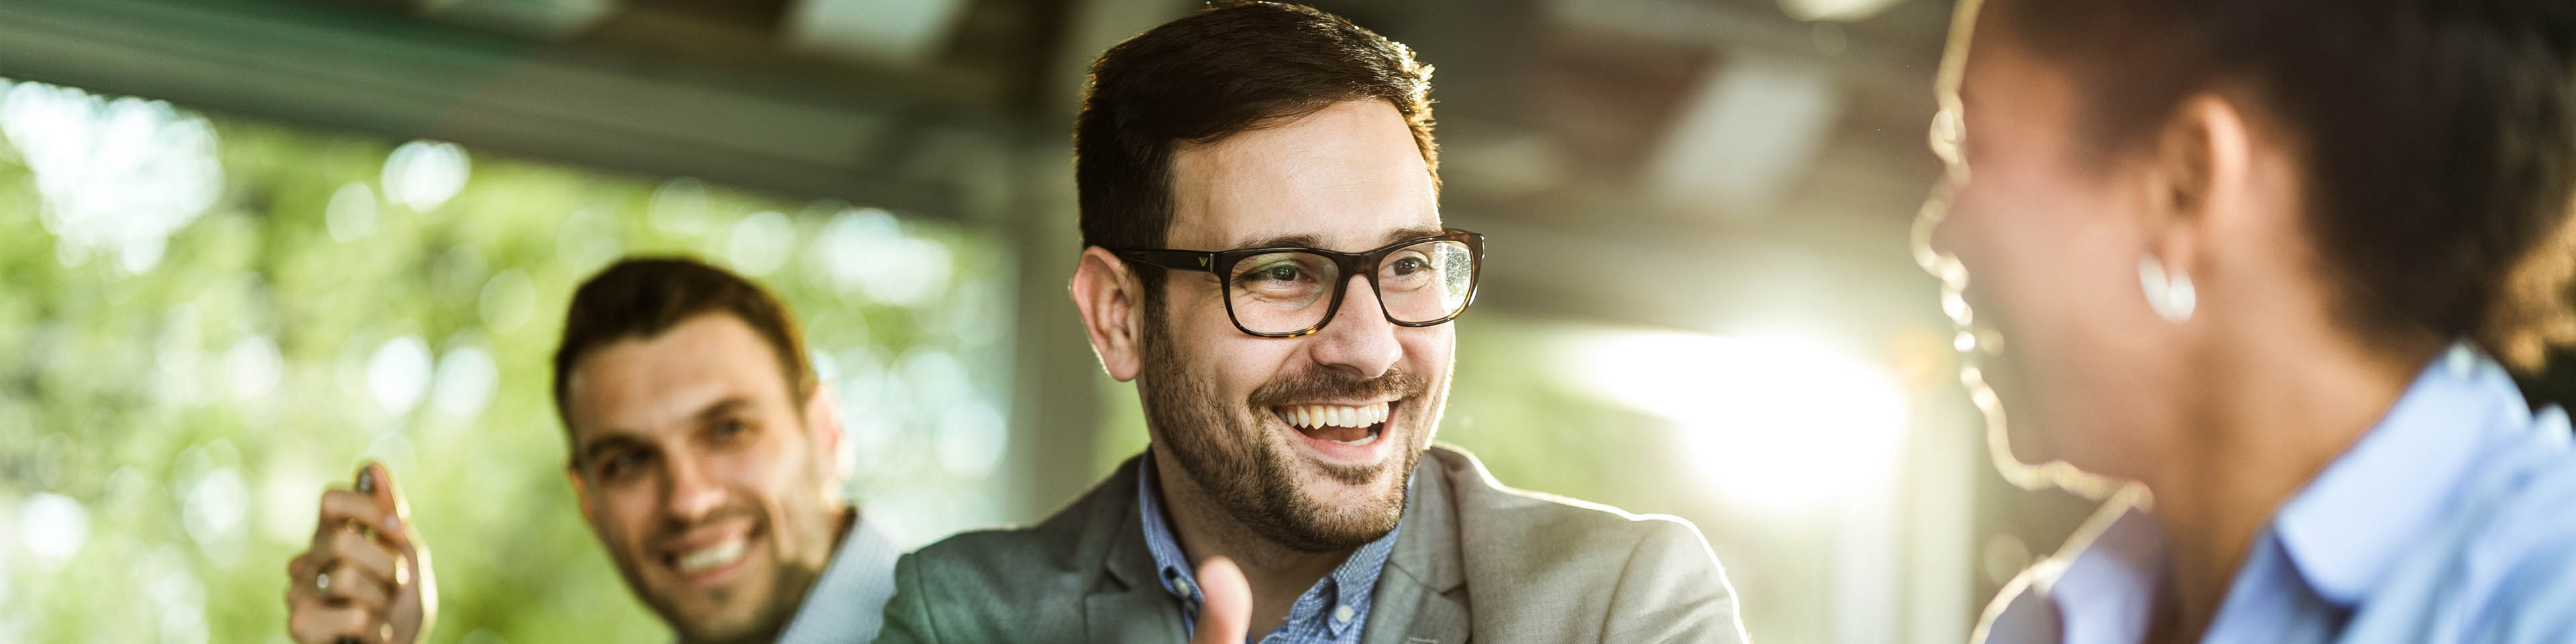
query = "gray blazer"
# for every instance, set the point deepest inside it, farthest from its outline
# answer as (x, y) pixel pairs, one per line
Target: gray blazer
(1476, 562)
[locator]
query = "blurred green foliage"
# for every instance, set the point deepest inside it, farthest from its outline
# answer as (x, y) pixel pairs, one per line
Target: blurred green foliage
(166, 429)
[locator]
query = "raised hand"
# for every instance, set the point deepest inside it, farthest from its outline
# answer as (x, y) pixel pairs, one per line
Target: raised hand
(366, 577)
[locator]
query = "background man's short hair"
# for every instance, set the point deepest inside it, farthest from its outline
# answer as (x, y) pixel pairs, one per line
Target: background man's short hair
(641, 297)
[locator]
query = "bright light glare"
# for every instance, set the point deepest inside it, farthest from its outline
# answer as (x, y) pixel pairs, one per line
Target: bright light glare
(1773, 422)
(1834, 10)
(118, 174)
(399, 374)
(53, 527)
(424, 174)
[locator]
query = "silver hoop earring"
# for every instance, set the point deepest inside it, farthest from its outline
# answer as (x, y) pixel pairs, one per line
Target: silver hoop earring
(2169, 293)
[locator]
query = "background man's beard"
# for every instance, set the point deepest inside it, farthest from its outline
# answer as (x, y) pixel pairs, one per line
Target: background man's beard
(764, 619)
(790, 579)
(1251, 476)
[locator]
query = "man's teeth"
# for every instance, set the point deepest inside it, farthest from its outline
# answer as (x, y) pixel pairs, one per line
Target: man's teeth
(711, 556)
(1314, 416)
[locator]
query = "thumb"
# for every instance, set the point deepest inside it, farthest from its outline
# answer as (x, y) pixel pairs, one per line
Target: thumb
(418, 601)
(1226, 613)
(378, 484)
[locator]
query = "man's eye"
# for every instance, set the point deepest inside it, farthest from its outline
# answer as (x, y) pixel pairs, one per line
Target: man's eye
(1280, 272)
(731, 427)
(620, 464)
(1409, 266)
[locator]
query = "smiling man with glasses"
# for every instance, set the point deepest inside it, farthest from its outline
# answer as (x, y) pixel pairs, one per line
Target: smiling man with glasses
(1264, 258)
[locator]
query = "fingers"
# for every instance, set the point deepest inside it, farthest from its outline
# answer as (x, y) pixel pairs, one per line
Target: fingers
(341, 508)
(354, 588)
(1225, 613)
(357, 554)
(359, 572)
(314, 622)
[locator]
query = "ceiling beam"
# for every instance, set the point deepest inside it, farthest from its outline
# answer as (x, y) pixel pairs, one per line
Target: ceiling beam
(796, 130)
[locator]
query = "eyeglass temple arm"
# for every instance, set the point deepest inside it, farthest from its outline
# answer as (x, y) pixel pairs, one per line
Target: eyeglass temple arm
(1179, 260)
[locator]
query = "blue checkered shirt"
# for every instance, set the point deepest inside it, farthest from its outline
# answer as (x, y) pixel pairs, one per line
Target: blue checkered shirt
(1331, 611)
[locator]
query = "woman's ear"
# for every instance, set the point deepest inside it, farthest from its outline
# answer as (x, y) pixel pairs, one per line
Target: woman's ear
(1108, 295)
(2199, 180)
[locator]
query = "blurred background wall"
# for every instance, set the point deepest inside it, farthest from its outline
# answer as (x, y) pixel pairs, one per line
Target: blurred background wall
(246, 244)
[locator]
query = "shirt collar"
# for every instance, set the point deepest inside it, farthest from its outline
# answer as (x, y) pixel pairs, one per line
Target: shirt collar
(844, 604)
(1350, 584)
(2103, 592)
(2345, 530)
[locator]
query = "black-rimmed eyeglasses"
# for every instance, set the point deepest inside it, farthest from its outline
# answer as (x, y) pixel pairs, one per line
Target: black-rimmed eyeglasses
(1289, 291)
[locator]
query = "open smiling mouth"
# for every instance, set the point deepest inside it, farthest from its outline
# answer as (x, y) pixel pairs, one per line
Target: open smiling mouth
(710, 562)
(1348, 425)
(708, 558)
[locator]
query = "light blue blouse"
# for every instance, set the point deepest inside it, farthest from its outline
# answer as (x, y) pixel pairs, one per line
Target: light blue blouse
(2452, 521)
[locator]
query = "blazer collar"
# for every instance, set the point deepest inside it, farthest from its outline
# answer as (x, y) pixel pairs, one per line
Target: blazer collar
(1125, 604)
(1428, 549)
(1420, 598)
(1422, 595)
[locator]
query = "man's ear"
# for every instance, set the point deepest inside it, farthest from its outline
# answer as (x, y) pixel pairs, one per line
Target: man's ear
(823, 418)
(2200, 181)
(1109, 296)
(589, 511)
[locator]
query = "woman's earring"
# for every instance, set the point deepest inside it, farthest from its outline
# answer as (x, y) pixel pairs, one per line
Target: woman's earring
(2169, 293)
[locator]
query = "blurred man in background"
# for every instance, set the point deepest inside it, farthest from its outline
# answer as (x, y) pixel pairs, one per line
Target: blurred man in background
(2262, 267)
(1291, 385)
(705, 452)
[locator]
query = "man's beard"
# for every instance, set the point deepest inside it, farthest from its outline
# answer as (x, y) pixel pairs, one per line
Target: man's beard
(1230, 454)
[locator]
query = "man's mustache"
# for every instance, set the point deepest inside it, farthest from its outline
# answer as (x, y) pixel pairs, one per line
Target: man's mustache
(1331, 384)
(676, 528)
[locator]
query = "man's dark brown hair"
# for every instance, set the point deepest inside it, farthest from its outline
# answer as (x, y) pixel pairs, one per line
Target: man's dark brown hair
(1231, 68)
(2439, 138)
(641, 297)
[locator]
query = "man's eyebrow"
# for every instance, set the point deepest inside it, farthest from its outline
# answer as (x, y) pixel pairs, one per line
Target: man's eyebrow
(1416, 232)
(720, 408)
(1311, 240)
(1302, 240)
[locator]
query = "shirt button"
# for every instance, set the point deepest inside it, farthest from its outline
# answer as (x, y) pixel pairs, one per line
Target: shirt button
(1343, 613)
(1186, 590)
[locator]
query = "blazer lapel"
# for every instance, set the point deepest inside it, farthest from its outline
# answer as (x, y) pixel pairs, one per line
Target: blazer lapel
(1422, 596)
(1411, 613)
(1127, 604)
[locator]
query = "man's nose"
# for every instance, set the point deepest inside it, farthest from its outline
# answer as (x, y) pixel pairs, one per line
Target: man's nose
(689, 495)
(1359, 339)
